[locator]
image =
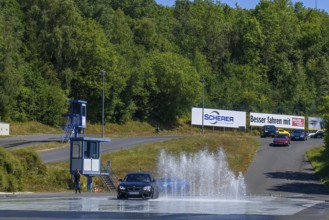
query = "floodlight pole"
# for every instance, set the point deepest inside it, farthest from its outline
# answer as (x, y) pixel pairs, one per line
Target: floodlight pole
(102, 73)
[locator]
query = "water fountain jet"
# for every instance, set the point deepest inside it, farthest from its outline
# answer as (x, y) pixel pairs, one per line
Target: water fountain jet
(207, 175)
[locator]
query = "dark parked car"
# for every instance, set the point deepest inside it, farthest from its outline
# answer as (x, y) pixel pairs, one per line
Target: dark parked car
(310, 133)
(173, 185)
(138, 185)
(281, 139)
(268, 131)
(318, 134)
(298, 134)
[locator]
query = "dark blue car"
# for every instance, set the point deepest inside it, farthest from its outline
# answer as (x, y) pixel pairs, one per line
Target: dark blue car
(138, 185)
(298, 134)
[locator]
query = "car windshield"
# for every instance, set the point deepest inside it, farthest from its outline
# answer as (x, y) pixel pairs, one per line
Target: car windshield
(137, 178)
(281, 136)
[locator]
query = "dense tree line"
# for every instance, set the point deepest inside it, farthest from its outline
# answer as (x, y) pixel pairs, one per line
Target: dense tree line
(272, 59)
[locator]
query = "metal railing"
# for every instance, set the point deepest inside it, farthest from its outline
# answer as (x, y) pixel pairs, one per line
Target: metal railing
(110, 178)
(70, 127)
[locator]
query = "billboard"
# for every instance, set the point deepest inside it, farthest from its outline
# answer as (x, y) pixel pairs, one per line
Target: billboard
(315, 123)
(4, 128)
(280, 121)
(218, 118)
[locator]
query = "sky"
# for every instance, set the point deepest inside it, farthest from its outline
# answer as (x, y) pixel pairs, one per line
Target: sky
(319, 4)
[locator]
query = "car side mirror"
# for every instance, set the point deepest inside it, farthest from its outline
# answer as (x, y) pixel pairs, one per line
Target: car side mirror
(120, 180)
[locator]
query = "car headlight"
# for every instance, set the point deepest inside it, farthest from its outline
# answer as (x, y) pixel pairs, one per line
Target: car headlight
(122, 188)
(147, 188)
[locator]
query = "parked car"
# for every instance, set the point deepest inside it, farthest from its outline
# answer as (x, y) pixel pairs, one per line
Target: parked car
(298, 134)
(268, 131)
(138, 185)
(318, 134)
(281, 139)
(310, 133)
(282, 131)
(173, 185)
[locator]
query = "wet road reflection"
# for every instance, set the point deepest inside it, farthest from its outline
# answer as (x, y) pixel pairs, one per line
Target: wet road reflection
(248, 206)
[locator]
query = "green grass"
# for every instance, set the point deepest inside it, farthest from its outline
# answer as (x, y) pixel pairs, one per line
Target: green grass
(319, 160)
(136, 128)
(240, 151)
(45, 147)
(132, 128)
(128, 129)
(32, 127)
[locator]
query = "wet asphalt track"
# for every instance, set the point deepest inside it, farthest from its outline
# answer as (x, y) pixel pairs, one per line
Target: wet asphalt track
(265, 199)
(106, 206)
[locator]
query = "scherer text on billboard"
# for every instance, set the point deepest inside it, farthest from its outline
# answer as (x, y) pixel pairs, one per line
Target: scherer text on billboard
(218, 118)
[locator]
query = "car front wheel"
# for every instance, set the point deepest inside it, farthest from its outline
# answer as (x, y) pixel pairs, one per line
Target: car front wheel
(122, 197)
(155, 195)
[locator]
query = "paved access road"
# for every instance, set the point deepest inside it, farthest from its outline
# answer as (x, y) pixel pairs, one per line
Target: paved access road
(283, 171)
(63, 154)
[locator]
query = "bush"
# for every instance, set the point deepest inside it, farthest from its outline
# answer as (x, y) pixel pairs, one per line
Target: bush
(53, 180)
(13, 184)
(10, 164)
(3, 180)
(30, 161)
(19, 167)
(61, 179)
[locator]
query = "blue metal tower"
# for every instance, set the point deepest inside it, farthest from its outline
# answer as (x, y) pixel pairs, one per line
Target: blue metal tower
(76, 119)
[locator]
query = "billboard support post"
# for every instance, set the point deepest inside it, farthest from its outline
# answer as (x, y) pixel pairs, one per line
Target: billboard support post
(202, 106)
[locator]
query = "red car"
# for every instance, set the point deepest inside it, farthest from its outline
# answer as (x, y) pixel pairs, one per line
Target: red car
(281, 139)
